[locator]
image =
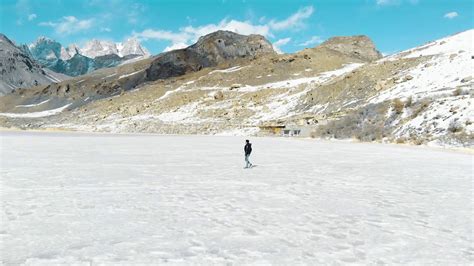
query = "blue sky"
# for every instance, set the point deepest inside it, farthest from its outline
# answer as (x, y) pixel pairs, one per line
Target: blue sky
(290, 25)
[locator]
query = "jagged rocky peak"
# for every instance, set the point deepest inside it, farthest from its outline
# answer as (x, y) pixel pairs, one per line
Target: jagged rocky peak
(222, 45)
(42, 39)
(95, 48)
(64, 54)
(94, 55)
(45, 49)
(4, 38)
(358, 46)
(132, 47)
(72, 50)
(45, 43)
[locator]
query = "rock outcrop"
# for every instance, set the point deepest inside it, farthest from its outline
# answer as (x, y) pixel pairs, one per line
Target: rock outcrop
(209, 51)
(359, 46)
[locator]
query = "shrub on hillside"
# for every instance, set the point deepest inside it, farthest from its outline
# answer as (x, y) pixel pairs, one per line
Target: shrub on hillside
(420, 107)
(457, 92)
(398, 105)
(409, 102)
(417, 140)
(365, 124)
(455, 126)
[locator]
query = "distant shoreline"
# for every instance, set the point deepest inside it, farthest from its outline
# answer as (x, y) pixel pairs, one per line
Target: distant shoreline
(469, 150)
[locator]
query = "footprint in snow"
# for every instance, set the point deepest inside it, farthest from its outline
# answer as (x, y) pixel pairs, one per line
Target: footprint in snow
(401, 216)
(250, 231)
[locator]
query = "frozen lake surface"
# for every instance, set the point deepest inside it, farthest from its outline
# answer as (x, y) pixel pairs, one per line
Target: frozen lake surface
(98, 198)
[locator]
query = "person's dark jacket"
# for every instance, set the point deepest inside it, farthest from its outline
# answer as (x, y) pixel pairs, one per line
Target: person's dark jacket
(248, 148)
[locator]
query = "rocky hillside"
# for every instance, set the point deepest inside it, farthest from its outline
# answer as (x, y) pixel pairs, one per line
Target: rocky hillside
(231, 84)
(216, 49)
(19, 70)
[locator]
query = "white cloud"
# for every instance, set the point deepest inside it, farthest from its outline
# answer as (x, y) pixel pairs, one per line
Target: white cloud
(240, 27)
(32, 17)
(451, 15)
(68, 25)
(281, 42)
(395, 2)
(187, 35)
(162, 35)
(312, 41)
(47, 24)
(175, 46)
(134, 13)
(105, 29)
(387, 2)
(293, 21)
(23, 10)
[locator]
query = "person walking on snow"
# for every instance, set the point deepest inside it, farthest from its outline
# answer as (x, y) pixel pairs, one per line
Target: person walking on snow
(247, 150)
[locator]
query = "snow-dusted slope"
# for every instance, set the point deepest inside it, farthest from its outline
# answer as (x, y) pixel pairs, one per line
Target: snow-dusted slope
(37, 114)
(279, 106)
(282, 100)
(444, 82)
(450, 66)
(122, 199)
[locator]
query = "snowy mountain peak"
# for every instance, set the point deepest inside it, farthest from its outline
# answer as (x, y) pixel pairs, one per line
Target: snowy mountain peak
(132, 47)
(96, 48)
(64, 54)
(46, 48)
(73, 60)
(72, 50)
(41, 41)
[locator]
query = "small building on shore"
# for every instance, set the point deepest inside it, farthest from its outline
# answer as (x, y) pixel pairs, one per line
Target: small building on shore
(294, 132)
(272, 129)
(296, 126)
(286, 131)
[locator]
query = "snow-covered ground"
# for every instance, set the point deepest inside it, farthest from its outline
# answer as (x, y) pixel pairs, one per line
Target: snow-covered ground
(122, 199)
(38, 114)
(33, 105)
